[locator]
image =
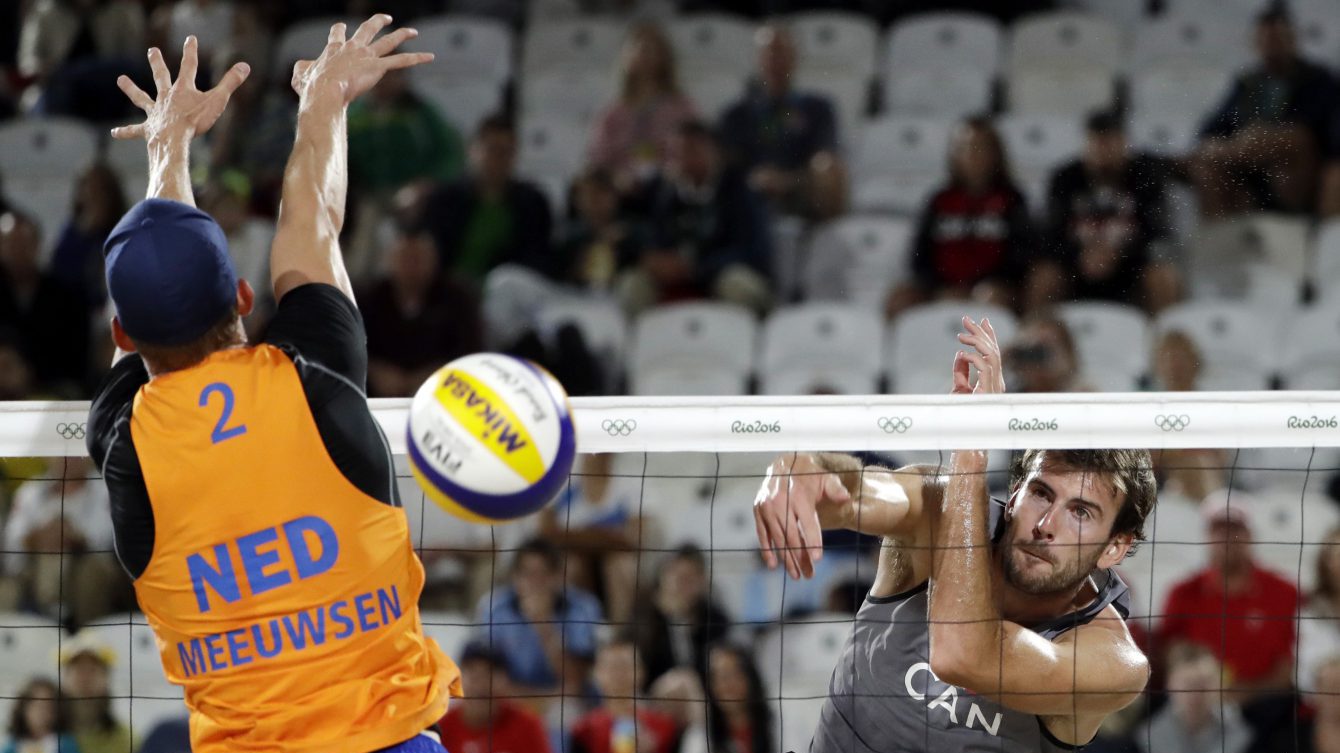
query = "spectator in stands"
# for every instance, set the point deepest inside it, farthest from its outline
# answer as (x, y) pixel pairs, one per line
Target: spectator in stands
(98, 205)
(1042, 357)
(633, 134)
(72, 51)
(1187, 473)
(59, 541)
(619, 723)
(1108, 214)
(545, 629)
(679, 695)
(708, 233)
(52, 320)
(1321, 733)
(975, 235)
(39, 721)
(1235, 608)
(597, 522)
(211, 21)
(599, 242)
(1319, 619)
(417, 318)
(1196, 719)
(254, 136)
(485, 720)
(679, 620)
(775, 133)
(488, 217)
(1260, 148)
(738, 716)
(85, 673)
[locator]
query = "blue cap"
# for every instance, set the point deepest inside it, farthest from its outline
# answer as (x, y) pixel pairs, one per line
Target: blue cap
(168, 272)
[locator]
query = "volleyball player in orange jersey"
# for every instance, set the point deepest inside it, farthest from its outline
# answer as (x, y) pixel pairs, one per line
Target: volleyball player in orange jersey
(253, 494)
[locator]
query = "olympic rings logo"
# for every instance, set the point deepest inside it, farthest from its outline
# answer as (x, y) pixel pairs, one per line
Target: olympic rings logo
(1172, 423)
(895, 424)
(71, 431)
(618, 427)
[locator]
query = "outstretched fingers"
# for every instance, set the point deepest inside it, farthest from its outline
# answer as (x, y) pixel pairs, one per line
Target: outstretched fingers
(388, 43)
(369, 28)
(190, 60)
(136, 95)
(406, 60)
(162, 78)
(129, 132)
(336, 35)
(231, 80)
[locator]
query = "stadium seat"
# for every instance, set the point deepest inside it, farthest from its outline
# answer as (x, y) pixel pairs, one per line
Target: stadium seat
(900, 145)
(712, 43)
(1309, 358)
(28, 647)
(712, 93)
(1162, 133)
(939, 40)
(575, 46)
(550, 148)
(578, 97)
(1064, 40)
(1124, 13)
(1239, 12)
(600, 322)
(921, 343)
(687, 347)
(835, 44)
(857, 259)
(816, 342)
(48, 200)
(451, 630)
(847, 92)
(1204, 41)
(795, 719)
(797, 659)
(46, 148)
(466, 49)
(677, 493)
(462, 103)
(1236, 341)
(949, 92)
(1186, 91)
(1112, 340)
(1037, 145)
(138, 668)
(1318, 29)
(1074, 91)
(904, 194)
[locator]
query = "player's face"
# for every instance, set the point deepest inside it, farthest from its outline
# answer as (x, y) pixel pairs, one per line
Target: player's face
(1059, 528)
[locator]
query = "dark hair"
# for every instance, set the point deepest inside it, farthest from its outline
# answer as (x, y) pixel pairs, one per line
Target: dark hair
(540, 548)
(165, 358)
(760, 715)
(1130, 472)
(495, 123)
(110, 188)
(1104, 121)
(696, 129)
(667, 79)
(1325, 588)
(983, 124)
(18, 718)
(1275, 13)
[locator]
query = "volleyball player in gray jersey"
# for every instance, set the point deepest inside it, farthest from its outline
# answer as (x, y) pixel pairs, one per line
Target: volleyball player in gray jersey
(1019, 606)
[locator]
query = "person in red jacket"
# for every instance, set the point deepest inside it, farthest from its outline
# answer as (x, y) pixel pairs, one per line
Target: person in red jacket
(620, 724)
(485, 721)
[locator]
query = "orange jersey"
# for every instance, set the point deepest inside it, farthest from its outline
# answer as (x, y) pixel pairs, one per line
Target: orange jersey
(283, 597)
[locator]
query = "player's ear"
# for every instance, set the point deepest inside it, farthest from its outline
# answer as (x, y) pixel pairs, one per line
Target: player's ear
(246, 297)
(120, 337)
(1116, 550)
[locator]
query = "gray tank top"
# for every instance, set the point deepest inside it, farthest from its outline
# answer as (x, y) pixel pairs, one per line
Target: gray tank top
(883, 697)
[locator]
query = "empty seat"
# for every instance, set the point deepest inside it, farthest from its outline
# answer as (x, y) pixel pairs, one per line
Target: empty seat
(847, 92)
(922, 341)
(138, 668)
(835, 43)
(951, 91)
(572, 46)
(576, 96)
(465, 49)
(46, 148)
(1112, 340)
(703, 345)
(716, 43)
(797, 659)
(1074, 91)
(1162, 133)
(899, 145)
(1037, 145)
(858, 259)
(1310, 357)
(600, 322)
(1187, 91)
(1236, 341)
(28, 647)
(1326, 259)
(1202, 41)
(712, 93)
(1318, 28)
(462, 103)
(830, 345)
(550, 148)
(937, 40)
(1065, 40)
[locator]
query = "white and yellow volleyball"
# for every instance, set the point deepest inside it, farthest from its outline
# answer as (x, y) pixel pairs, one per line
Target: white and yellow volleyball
(490, 437)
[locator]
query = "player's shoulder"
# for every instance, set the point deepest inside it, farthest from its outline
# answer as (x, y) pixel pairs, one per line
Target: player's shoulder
(1107, 631)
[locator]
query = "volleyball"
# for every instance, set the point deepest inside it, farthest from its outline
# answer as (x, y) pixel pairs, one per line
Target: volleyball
(490, 437)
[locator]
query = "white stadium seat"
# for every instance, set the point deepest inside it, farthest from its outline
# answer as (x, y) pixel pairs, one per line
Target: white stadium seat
(1037, 145)
(576, 96)
(1187, 91)
(690, 347)
(1205, 41)
(937, 40)
(551, 149)
(462, 103)
(1163, 134)
(1318, 29)
(1064, 40)
(1310, 359)
(576, 46)
(138, 667)
(922, 341)
(451, 630)
(1112, 340)
(715, 43)
(822, 344)
(713, 93)
(951, 91)
(1326, 259)
(47, 200)
(847, 92)
(1123, 13)
(46, 148)
(465, 49)
(835, 43)
(857, 259)
(1074, 91)
(902, 145)
(601, 323)
(1236, 341)
(798, 658)
(28, 646)
(1240, 12)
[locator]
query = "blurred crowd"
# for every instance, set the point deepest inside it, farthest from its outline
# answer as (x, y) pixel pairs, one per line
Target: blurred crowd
(600, 628)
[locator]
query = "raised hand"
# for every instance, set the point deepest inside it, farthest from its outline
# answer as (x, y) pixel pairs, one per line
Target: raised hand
(798, 499)
(179, 109)
(348, 68)
(985, 356)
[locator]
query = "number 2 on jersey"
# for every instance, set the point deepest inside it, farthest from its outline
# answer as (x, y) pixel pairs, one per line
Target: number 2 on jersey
(221, 430)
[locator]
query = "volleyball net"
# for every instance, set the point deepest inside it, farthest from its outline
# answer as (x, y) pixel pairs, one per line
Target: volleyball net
(654, 544)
